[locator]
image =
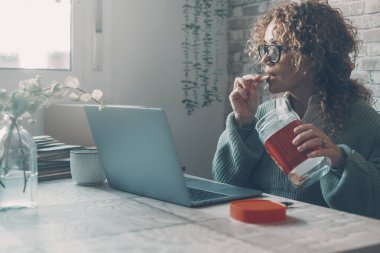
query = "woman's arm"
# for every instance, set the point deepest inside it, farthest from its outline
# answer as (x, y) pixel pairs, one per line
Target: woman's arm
(238, 151)
(355, 187)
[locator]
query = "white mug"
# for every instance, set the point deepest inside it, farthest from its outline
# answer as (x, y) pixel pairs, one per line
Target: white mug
(86, 168)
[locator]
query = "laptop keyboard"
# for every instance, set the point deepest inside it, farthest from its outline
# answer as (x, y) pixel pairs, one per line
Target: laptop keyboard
(198, 194)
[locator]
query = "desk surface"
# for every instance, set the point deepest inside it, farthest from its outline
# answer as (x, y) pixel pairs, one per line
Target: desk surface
(72, 218)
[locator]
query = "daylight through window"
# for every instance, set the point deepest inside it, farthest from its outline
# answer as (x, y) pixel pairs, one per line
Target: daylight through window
(36, 34)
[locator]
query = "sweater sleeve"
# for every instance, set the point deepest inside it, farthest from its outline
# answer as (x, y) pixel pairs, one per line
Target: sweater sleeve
(355, 187)
(237, 152)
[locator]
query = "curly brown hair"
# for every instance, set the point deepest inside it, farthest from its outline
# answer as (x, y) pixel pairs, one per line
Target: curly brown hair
(323, 42)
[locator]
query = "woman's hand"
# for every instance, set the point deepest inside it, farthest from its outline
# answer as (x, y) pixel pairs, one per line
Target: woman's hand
(244, 98)
(309, 137)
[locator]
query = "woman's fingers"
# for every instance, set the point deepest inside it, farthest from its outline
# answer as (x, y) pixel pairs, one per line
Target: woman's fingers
(309, 137)
(247, 80)
(238, 81)
(244, 97)
(250, 77)
(239, 89)
(302, 136)
(251, 81)
(242, 92)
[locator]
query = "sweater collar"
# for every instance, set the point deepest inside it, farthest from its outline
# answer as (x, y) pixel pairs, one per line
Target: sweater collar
(311, 112)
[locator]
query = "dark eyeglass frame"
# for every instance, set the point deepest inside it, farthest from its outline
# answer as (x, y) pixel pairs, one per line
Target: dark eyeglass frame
(265, 48)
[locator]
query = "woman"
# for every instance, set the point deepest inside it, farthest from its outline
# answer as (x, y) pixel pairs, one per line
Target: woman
(305, 50)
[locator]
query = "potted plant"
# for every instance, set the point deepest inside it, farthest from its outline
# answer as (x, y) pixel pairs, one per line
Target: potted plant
(18, 155)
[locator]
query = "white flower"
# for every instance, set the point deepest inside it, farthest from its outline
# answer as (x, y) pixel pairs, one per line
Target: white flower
(24, 83)
(57, 90)
(97, 94)
(32, 96)
(72, 82)
(31, 85)
(31, 121)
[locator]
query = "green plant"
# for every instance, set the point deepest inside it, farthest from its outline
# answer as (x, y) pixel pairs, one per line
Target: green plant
(203, 25)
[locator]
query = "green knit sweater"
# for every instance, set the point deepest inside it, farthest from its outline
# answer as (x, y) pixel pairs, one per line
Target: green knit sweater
(241, 159)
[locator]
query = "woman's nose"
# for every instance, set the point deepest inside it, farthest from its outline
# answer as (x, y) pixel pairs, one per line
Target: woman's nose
(265, 59)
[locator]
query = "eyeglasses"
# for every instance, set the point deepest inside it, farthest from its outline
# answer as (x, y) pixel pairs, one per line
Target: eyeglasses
(272, 51)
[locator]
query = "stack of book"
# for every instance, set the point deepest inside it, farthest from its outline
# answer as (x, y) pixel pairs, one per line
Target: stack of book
(53, 158)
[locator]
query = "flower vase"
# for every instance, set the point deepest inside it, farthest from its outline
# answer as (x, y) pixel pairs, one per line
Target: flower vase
(18, 165)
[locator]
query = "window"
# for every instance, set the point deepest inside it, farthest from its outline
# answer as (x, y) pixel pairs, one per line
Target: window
(35, 34)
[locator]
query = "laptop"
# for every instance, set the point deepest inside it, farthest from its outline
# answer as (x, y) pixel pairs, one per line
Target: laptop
(138, 154)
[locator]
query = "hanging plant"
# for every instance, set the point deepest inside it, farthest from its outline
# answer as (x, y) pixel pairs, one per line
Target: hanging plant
(203, 25)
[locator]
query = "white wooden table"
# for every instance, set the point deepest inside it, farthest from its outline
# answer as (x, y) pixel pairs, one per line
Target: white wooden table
(72, 218)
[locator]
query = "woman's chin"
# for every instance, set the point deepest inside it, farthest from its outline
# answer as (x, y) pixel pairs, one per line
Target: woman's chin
(274, 90)
(275, 87)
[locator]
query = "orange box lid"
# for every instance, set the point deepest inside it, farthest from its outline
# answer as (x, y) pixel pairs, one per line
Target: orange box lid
(257, 211)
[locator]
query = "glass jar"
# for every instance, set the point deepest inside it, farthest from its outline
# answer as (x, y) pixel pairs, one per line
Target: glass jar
(276, 132)
(18, 166)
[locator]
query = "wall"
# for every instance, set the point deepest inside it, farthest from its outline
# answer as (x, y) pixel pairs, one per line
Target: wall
(148, 71)
(143, 66)
(364, 14)
(366, 17)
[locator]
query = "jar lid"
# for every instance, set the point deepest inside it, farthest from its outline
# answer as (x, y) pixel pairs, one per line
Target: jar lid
(257, 211)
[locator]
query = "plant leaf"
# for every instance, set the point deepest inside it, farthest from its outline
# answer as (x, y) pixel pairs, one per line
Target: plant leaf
(74, 97)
